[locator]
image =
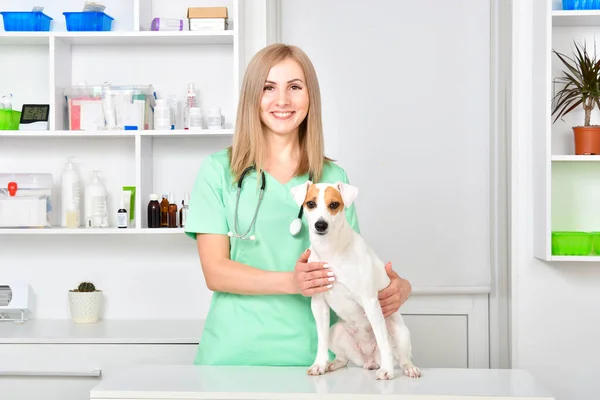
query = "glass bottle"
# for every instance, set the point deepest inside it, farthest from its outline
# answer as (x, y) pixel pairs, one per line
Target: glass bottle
(153, 212)
(164, 211)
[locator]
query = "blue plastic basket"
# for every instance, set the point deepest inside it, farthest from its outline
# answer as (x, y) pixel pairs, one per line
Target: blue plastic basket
(23, 21)
(581, 4)
(88, 21)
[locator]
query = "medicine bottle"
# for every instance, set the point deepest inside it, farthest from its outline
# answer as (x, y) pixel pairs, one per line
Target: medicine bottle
(164, 211)
(172, 211)
(195, 118)
(153, 212)
(162, 115)
(214, 118)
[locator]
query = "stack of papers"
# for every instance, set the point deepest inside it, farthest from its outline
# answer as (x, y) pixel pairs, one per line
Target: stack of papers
(5, 295)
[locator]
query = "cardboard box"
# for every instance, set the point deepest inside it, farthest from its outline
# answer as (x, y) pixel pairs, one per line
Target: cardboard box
(207, 12)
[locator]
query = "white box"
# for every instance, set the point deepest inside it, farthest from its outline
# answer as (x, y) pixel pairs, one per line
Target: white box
(25, 200)
(208, 24)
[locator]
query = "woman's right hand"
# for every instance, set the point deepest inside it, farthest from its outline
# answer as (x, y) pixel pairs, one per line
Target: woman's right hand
(312, 277)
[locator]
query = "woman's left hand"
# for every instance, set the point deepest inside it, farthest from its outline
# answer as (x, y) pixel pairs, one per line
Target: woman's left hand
(397, 292)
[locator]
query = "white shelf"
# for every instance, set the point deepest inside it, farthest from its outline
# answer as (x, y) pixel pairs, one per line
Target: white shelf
(105, 331)
(575, 17)
(114, 134)
(120, 38)
(24, 38)
(91, 231)
(576, 258)
(574, 158)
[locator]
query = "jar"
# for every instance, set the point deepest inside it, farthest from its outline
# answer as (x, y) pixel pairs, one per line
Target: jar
(195, 118)
(215, 120)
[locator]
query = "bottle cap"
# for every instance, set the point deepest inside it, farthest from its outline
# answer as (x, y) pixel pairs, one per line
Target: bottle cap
(154, 197)
(171, 198)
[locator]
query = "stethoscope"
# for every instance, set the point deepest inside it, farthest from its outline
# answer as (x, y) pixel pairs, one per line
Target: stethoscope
(295, 225)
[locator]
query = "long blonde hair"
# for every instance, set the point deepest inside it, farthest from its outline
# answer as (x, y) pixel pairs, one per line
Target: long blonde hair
(249, 144)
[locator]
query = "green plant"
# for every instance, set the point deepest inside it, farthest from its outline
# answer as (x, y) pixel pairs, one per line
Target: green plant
(85, 287)
(582, 83)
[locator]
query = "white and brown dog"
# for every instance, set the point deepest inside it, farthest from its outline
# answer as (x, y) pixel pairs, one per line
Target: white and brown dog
(362, 335)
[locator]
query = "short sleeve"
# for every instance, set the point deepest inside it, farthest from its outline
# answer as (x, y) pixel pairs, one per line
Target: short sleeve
(351, 216)
(206, 212)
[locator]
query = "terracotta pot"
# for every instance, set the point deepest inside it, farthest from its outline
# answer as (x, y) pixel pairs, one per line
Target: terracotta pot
(587, 140)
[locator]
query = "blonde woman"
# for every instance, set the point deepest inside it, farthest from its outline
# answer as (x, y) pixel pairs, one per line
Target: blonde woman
(252, 259)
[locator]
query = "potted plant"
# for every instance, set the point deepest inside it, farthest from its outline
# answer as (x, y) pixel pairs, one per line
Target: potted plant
(581, 80)
(84, 303)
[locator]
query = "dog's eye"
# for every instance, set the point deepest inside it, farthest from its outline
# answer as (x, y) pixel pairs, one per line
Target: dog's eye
(310, 204)
(334, 205)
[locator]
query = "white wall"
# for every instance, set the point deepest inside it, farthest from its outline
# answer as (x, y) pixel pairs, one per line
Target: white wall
(555, 319)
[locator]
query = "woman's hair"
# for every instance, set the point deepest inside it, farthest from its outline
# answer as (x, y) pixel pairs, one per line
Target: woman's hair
(249, 145)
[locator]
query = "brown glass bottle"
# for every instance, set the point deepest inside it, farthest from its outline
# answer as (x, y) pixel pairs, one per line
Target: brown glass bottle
(172, 211)
(164, 212)
(153, 212)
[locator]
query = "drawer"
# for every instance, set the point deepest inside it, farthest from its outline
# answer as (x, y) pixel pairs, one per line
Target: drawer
(69, 371)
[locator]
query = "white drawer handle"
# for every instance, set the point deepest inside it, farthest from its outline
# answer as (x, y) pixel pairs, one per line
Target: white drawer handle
(93, 373)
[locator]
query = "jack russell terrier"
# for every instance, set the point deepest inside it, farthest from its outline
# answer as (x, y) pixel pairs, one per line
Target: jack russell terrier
(362, 335)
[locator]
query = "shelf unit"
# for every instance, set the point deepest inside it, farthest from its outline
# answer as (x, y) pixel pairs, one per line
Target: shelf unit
(566, 187)
(37, 67)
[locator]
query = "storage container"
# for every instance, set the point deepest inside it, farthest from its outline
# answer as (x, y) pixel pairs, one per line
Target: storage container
(25, 200)
(566, 243)
(88, 21)
(26, 21)
(9, 120)
(110, 107)
(581, 4)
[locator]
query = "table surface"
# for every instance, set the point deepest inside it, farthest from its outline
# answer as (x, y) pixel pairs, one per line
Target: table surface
(252, 383)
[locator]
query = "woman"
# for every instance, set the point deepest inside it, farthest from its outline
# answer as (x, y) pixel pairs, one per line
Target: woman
(260, 312)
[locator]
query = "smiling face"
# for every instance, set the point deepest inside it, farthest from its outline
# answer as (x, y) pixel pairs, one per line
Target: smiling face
(324, 204)
(284, 102)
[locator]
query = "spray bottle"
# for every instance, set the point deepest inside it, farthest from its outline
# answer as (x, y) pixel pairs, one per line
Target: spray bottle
(190, 102)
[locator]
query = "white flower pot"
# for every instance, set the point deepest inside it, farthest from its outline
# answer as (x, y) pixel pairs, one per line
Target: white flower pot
(85, 306)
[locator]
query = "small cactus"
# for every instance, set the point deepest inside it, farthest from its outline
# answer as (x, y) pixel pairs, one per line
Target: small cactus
(86, 287)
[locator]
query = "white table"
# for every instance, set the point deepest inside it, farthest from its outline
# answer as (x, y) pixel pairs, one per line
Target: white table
(254, 383)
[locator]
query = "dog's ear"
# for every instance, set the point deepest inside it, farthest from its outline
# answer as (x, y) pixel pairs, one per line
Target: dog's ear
(299, 192)
(348, 192)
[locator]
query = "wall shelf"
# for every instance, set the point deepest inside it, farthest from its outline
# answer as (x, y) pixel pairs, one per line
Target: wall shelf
(114, 134)
(576, 258)
(576, 17)
(92, 231)
(575, 158)
(119, 38)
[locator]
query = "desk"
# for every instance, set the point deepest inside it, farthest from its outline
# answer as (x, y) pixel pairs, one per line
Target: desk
(258, 383)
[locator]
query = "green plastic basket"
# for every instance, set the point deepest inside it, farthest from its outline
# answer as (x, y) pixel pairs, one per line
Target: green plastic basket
(566, 243)
(9, 120)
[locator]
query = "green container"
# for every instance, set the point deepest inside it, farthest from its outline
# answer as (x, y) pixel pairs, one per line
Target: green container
(9, 120)
(566, 243)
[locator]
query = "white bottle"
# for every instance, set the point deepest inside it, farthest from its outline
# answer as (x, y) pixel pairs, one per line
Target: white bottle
(162, 115)
(70, 196)
(184, 209)
(190, 102)
(195, 119)
(96, 207)
(214, 118)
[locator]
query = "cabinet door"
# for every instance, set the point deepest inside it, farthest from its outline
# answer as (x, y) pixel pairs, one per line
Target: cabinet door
(438, 341)
(69, 371)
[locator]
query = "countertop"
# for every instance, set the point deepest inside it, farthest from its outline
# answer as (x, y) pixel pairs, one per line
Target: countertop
(65, 331)
(253, 383)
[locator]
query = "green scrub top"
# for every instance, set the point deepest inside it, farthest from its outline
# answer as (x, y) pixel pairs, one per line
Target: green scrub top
(270, 330)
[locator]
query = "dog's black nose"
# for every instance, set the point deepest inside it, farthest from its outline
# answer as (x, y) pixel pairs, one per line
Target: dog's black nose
(321, 226)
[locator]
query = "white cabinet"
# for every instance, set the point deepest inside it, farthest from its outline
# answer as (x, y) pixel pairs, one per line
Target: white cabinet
(566, 191)
(69, 371)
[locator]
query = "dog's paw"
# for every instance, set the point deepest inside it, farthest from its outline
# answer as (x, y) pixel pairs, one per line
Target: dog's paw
(412, 371)
(336, 364)
(371, 364)
(317, 369)
(384, 374)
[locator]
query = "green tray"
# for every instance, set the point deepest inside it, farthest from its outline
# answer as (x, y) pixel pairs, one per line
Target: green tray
(566, 243)
(9, 120)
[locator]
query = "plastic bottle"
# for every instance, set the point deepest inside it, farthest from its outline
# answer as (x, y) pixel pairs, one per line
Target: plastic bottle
(183, 211)
(214, 118)
(190, 102)
(195, 119)
(96, 207)
(70, 196)
(172, 211)
(122, 220)
(153, 212)
(162, 115)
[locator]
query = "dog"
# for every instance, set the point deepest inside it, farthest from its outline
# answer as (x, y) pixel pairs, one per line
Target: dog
(362, 335)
